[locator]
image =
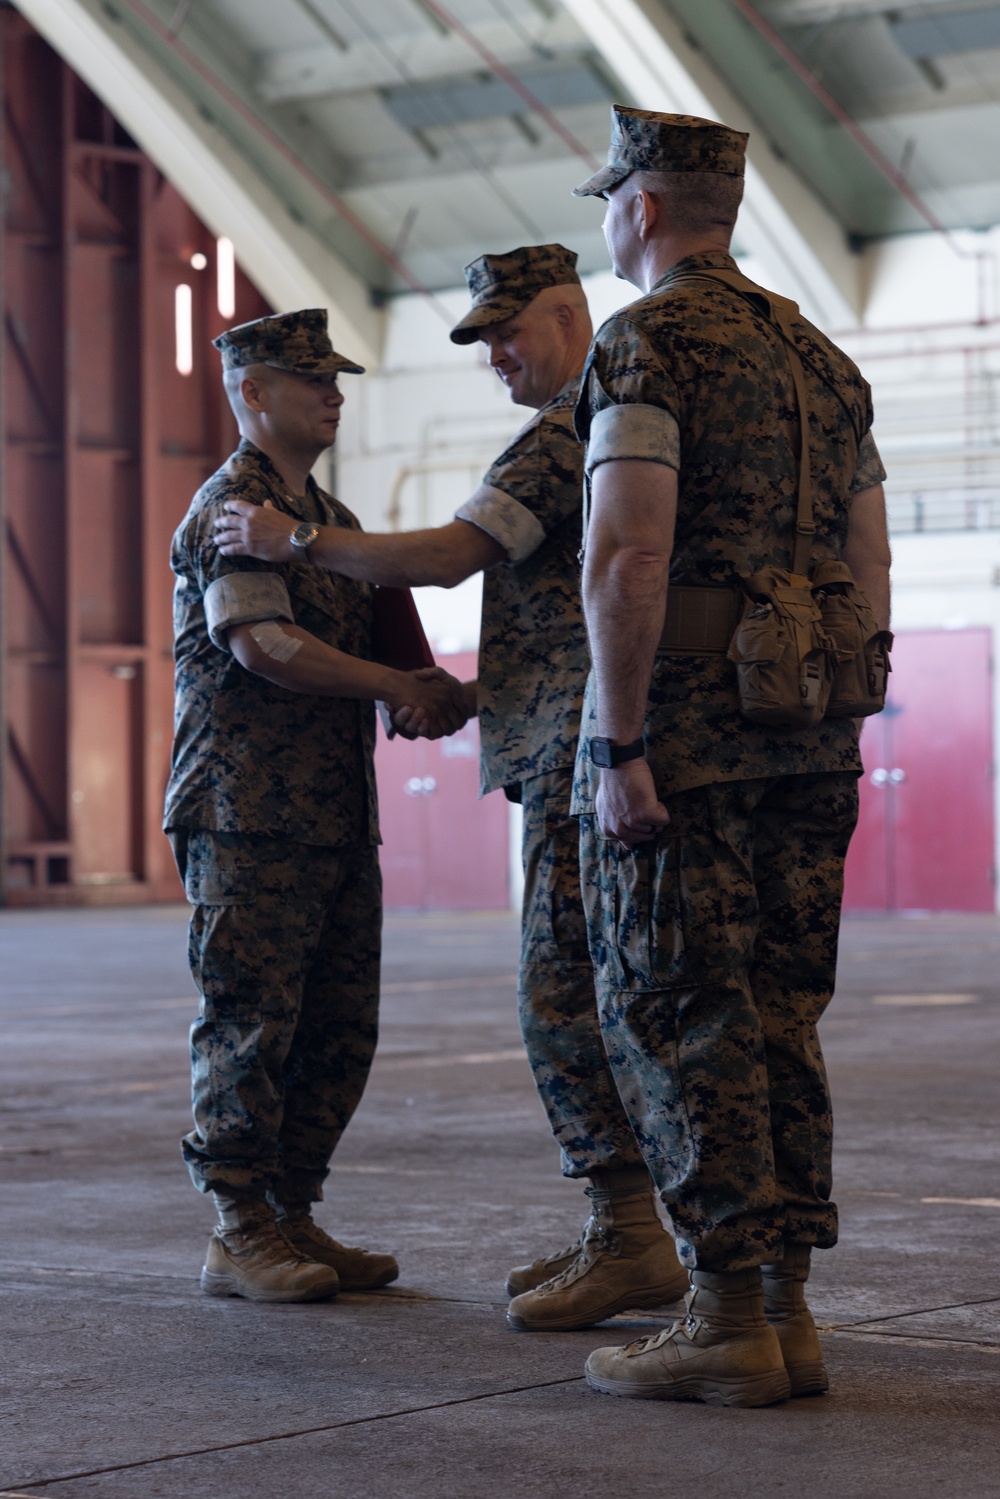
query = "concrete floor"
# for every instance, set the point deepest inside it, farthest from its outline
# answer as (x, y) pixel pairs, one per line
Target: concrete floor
(119, 1379)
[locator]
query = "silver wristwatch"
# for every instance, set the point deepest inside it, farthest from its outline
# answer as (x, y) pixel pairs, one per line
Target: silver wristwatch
(303, 537)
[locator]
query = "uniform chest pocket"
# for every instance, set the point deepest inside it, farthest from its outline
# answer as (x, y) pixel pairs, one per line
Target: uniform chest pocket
(217, 875)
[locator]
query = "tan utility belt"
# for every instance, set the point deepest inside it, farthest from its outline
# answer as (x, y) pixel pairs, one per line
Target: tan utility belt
(700, 619)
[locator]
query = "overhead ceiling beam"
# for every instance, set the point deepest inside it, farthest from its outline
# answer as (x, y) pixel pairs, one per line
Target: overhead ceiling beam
(285, 259)
(782, 222)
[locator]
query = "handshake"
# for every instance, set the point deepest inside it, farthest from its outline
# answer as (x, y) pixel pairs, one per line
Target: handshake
(430, 703)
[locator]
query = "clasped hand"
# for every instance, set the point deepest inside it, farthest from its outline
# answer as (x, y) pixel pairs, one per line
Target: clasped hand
(627, 805)
(431, 705)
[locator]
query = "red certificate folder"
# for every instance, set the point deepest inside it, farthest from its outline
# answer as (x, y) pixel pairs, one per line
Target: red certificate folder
(398, 639)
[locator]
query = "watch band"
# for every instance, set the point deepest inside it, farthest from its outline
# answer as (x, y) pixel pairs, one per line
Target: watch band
(606, 755)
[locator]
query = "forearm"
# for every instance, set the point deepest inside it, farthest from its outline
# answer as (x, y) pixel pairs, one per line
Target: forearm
(315, 668)
(624, 597)
(410, 559)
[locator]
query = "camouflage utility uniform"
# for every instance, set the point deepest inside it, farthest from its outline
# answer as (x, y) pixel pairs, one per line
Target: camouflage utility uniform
(272, 812)
(715, 945)
(533, 663)
(532, 669)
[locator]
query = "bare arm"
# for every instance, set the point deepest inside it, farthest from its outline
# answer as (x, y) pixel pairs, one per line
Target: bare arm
(300, 662)
(442, 555)
(866, 550)
(629, 544)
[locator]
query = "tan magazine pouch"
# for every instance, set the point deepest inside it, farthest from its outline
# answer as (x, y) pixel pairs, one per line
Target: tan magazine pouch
(807, 646)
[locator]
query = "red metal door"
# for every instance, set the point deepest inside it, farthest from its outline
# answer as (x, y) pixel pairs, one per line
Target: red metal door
(442, 848)
(925, 839)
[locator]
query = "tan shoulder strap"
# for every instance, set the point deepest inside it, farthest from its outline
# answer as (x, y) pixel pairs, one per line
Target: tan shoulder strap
(781, 311)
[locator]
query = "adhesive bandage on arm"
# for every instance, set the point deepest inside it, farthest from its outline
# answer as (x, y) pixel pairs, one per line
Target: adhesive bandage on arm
(274, 642)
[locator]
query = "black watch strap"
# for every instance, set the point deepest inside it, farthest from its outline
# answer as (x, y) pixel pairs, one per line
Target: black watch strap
(607, 755)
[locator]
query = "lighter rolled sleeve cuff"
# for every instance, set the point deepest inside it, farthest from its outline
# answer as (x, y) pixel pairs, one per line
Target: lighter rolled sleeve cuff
(646, 432)
(505, 519)
(870, 470)
(244, 599)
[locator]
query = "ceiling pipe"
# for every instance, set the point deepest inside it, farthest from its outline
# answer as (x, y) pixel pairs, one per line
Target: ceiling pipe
(512, 81)
(854, 130)
(193, 61)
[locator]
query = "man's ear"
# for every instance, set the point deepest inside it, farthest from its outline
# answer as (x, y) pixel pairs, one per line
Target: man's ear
(564, 316)
(252, 391)
(647, 209)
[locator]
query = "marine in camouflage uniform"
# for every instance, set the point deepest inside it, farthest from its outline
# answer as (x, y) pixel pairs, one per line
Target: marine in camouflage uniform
(272, 812)
(715, 941)
(533, 664)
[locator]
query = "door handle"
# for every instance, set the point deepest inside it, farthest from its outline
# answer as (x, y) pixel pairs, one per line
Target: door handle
(420, 786)
(879, 777)
(897, 776)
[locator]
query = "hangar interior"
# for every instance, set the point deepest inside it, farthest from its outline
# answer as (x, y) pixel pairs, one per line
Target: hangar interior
(356, 157)
(170, 167)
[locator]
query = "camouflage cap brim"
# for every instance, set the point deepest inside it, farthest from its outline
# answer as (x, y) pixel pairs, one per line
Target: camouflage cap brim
(598, 185)
(486, 315)
(332, 364)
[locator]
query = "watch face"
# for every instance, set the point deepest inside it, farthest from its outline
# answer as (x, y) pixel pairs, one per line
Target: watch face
(600, 753)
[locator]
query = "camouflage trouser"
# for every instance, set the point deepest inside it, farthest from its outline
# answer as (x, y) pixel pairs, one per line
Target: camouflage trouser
(715, 950)
(284, 947)
(556, 1000)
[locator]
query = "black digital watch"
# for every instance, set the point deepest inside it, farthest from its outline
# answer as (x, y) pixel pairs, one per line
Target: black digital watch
(606, 755)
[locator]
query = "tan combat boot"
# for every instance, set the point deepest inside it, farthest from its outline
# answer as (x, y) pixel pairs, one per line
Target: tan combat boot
(786, 1310)
(357, 1269)
(723, 1352)
(526, 1277)
(248, 1255)
(626, 1260)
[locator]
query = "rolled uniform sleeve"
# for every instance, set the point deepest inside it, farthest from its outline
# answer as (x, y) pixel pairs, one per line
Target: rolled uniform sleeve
(629, 405)
(534, 486)
(244, 599)
(870, 470)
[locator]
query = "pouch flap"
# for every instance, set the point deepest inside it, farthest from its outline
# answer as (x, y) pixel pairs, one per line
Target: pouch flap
(760, 637)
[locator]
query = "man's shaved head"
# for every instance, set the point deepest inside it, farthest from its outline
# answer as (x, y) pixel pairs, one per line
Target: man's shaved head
(693, 203)
(232, 381)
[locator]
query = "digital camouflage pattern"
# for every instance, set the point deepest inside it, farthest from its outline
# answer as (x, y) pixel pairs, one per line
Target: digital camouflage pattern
(709, 360)
(249, 756)
(556, 999)
(644, 141)
(533, 656)
(715, 951)
(284, 949)
(503, 285)
(296, 341)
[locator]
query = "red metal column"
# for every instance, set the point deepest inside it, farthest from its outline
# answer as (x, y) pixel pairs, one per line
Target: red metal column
(105, 443)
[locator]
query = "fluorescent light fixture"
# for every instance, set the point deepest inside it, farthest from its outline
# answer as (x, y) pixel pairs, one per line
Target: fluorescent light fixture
(198, 261)
(183, 338)
(225, 269)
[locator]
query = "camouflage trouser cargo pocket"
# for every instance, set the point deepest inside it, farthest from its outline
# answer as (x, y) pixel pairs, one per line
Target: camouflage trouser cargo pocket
(644, 932)
(217, 873)
(557, 1006)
